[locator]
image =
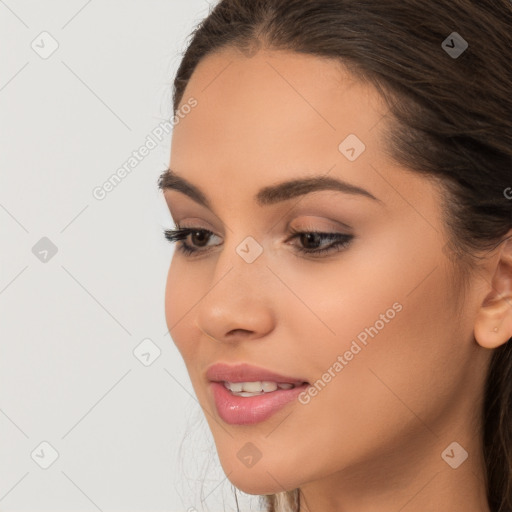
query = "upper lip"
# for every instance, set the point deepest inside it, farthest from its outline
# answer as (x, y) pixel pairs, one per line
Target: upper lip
(221, 372)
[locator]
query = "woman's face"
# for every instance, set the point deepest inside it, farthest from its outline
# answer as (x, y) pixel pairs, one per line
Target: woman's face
(375, 324)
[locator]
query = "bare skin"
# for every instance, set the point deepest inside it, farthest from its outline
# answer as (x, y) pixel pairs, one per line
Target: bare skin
(372, 440)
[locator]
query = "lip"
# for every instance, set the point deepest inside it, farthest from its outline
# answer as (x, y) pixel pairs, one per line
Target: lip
(244, 372)
(237, 410)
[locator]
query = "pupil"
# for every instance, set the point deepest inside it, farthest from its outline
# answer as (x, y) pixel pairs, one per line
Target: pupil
(201, 234)
(315, 237)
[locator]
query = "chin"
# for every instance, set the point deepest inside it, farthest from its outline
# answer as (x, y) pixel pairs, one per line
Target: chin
(258, 484)
(262, 478)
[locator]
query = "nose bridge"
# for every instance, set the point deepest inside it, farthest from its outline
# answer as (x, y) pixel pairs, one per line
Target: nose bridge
(243, 254)
(242, 272)
(240, 292)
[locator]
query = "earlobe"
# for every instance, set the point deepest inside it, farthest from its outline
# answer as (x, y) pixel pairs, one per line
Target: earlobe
(493, 325)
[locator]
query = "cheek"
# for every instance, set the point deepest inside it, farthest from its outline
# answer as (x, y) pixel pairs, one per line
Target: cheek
(180, 296)
(401, 357)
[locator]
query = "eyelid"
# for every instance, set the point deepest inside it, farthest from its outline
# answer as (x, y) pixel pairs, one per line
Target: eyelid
(320, 221)
(319, 225)
(195, 223)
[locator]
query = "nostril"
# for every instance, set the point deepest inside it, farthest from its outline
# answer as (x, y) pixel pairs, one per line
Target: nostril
(235, 332)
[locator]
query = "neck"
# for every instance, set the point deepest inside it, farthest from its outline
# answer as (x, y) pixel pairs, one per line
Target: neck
(414, 475)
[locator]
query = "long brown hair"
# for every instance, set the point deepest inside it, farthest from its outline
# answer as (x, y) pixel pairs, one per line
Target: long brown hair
(450, 118)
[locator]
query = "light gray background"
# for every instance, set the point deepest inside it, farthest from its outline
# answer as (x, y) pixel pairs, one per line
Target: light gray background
(69, 325)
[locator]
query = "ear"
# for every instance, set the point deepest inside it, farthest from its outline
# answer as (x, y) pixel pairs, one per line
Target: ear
(493, 325)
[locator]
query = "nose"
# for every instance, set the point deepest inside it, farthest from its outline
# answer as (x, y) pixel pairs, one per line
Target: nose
(239, 304)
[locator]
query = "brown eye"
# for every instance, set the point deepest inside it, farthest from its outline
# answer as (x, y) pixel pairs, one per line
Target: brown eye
(311, 240)
(316, 243)
(200, 238)
(311, 243)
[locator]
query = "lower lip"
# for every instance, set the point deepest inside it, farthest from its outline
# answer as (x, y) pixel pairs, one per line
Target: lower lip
(238, 410)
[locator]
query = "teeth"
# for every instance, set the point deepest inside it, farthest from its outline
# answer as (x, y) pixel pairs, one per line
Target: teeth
(252, 387)
(255, 388)
(268, 386)
(236, 387)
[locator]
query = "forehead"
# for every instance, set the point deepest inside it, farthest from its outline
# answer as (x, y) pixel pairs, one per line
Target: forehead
(275, 116)
(281, 94)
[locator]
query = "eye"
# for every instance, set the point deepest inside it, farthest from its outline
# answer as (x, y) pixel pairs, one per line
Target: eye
(312, 240)
(199, 237)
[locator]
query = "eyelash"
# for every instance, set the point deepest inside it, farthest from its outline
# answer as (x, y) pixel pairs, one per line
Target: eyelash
(340, 241)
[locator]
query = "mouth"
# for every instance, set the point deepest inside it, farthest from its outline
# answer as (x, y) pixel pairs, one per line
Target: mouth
(244, 394)
(256, 388)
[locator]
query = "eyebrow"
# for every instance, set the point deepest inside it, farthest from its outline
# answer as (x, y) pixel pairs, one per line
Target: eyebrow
(272, 194)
